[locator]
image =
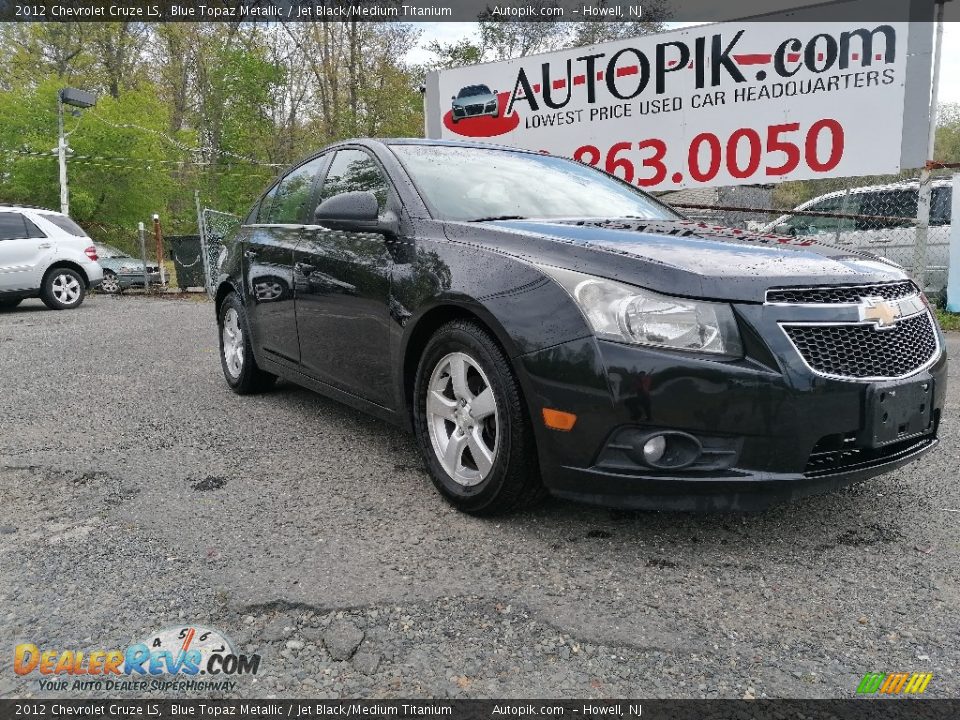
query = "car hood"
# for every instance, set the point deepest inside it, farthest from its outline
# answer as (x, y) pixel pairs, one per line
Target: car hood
(679, 257)
(475, 100)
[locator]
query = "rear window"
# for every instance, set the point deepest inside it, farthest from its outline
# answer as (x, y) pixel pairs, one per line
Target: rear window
(65, 224)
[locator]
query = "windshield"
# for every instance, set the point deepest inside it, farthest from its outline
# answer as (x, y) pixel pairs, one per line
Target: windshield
(472, 90)
(463, 183)
(107, 251)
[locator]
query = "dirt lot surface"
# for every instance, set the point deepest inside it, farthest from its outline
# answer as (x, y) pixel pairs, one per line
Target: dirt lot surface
(140, 494)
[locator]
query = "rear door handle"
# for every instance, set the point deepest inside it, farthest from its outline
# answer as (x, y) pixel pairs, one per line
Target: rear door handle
(44, 246)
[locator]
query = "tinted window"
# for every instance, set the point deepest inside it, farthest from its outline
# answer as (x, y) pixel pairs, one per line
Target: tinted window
(465, 183)
(817, 225)
(14, 226)
(292, 193)
(940, 206)
(890, 204)
(355, 170)
(263, 212)
(65, 224)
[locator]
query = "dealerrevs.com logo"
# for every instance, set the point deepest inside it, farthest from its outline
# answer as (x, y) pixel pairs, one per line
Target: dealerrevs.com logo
(898, 683)
(172, 659)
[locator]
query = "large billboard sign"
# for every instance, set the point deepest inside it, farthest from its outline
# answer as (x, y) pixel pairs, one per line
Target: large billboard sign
(724, 104)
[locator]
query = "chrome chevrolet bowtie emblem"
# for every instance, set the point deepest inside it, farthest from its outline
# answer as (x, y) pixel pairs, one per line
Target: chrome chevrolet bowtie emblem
(879, 311)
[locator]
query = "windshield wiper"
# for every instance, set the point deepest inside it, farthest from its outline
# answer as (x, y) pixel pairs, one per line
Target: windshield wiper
(498, 217)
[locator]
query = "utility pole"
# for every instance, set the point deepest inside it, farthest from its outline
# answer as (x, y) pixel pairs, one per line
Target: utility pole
(62, 158)
(76, 98)
(159, 238)
(141, 231)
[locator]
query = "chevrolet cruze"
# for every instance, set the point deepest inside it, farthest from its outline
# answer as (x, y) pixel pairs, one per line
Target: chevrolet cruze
(543, 327)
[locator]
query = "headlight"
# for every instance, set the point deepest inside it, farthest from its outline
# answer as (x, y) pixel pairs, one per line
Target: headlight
(628, 314)
(492, 105)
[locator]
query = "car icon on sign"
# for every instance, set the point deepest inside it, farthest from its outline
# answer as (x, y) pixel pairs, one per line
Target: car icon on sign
(475, 101)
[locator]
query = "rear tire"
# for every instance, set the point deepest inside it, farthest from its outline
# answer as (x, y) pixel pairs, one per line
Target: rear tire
(63, 289)
(236, 353)
(471, 423)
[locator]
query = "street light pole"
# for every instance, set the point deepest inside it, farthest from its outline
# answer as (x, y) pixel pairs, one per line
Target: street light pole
(76, 98)
(62, 158)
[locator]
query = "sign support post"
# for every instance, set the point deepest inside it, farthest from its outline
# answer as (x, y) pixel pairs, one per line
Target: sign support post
(926, 187)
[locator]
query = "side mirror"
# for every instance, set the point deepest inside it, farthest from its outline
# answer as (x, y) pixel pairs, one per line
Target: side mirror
(356, 211)
(453, 97)
(785, 229)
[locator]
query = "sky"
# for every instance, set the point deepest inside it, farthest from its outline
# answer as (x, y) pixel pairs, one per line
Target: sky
(949, 67)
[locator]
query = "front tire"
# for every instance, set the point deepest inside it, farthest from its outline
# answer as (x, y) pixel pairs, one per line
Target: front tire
(63, 289)
(471, 423)
(110, 283)
(236, 353)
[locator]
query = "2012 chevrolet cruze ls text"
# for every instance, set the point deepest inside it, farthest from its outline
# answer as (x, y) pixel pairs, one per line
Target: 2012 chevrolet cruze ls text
(544, 327)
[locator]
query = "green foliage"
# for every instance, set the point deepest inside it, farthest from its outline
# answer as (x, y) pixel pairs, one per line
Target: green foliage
(948, 321)
(213, 108)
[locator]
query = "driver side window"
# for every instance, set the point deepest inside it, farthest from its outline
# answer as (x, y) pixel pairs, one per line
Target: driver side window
(354, 170)
(286, 203)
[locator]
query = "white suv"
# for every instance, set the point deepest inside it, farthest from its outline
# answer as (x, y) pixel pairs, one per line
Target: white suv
(45, 254)
(886, 227)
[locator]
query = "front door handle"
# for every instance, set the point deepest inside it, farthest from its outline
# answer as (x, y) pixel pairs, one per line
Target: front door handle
(44, 246)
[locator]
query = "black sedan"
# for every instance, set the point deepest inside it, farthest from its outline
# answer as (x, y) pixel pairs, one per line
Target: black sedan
(543, 327)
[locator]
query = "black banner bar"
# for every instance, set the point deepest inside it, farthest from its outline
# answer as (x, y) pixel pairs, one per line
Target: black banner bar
(854, 709)
(462, 10)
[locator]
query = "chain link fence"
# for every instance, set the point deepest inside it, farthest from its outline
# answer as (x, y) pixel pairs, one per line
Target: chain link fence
(214, 227)
(878, 218)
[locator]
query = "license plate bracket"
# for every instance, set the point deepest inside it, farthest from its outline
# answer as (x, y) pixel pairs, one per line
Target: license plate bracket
(896, 411)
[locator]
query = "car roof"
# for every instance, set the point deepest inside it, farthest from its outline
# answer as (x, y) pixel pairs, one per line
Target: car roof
(427, 141)
(10, 208)
(867, 189)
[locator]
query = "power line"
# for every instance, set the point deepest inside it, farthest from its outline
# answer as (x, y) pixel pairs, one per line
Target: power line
(180, 145)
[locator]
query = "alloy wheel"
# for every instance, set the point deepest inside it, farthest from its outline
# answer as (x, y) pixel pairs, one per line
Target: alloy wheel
(66, 288)
(233, 348)
(462, 419)
(110, 284)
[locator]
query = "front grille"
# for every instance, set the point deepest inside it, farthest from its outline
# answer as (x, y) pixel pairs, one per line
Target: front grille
(826, 462)
(838, 295)
(474, 109)
(864, 351)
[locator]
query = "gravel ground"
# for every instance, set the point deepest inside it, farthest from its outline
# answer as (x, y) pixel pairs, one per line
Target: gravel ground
(139, 493)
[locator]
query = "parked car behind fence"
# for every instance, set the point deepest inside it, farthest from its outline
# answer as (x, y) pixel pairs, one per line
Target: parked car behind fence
(878, 218)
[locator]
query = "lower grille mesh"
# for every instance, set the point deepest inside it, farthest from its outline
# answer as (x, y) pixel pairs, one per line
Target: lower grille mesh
(864, 351)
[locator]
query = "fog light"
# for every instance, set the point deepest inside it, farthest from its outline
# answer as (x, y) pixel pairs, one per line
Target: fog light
(654, 448)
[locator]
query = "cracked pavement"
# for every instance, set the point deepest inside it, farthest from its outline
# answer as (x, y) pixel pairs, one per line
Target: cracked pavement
(139, 494)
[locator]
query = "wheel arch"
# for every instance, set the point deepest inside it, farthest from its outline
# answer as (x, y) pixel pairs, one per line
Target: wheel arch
(427, 324)
(65, 264)
(223, 289)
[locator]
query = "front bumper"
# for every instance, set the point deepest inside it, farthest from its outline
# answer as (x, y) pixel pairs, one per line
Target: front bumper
(136, 279)
(462, 113)
(784, 432)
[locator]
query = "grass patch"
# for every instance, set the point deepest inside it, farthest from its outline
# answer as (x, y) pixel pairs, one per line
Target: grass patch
(948, 321)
